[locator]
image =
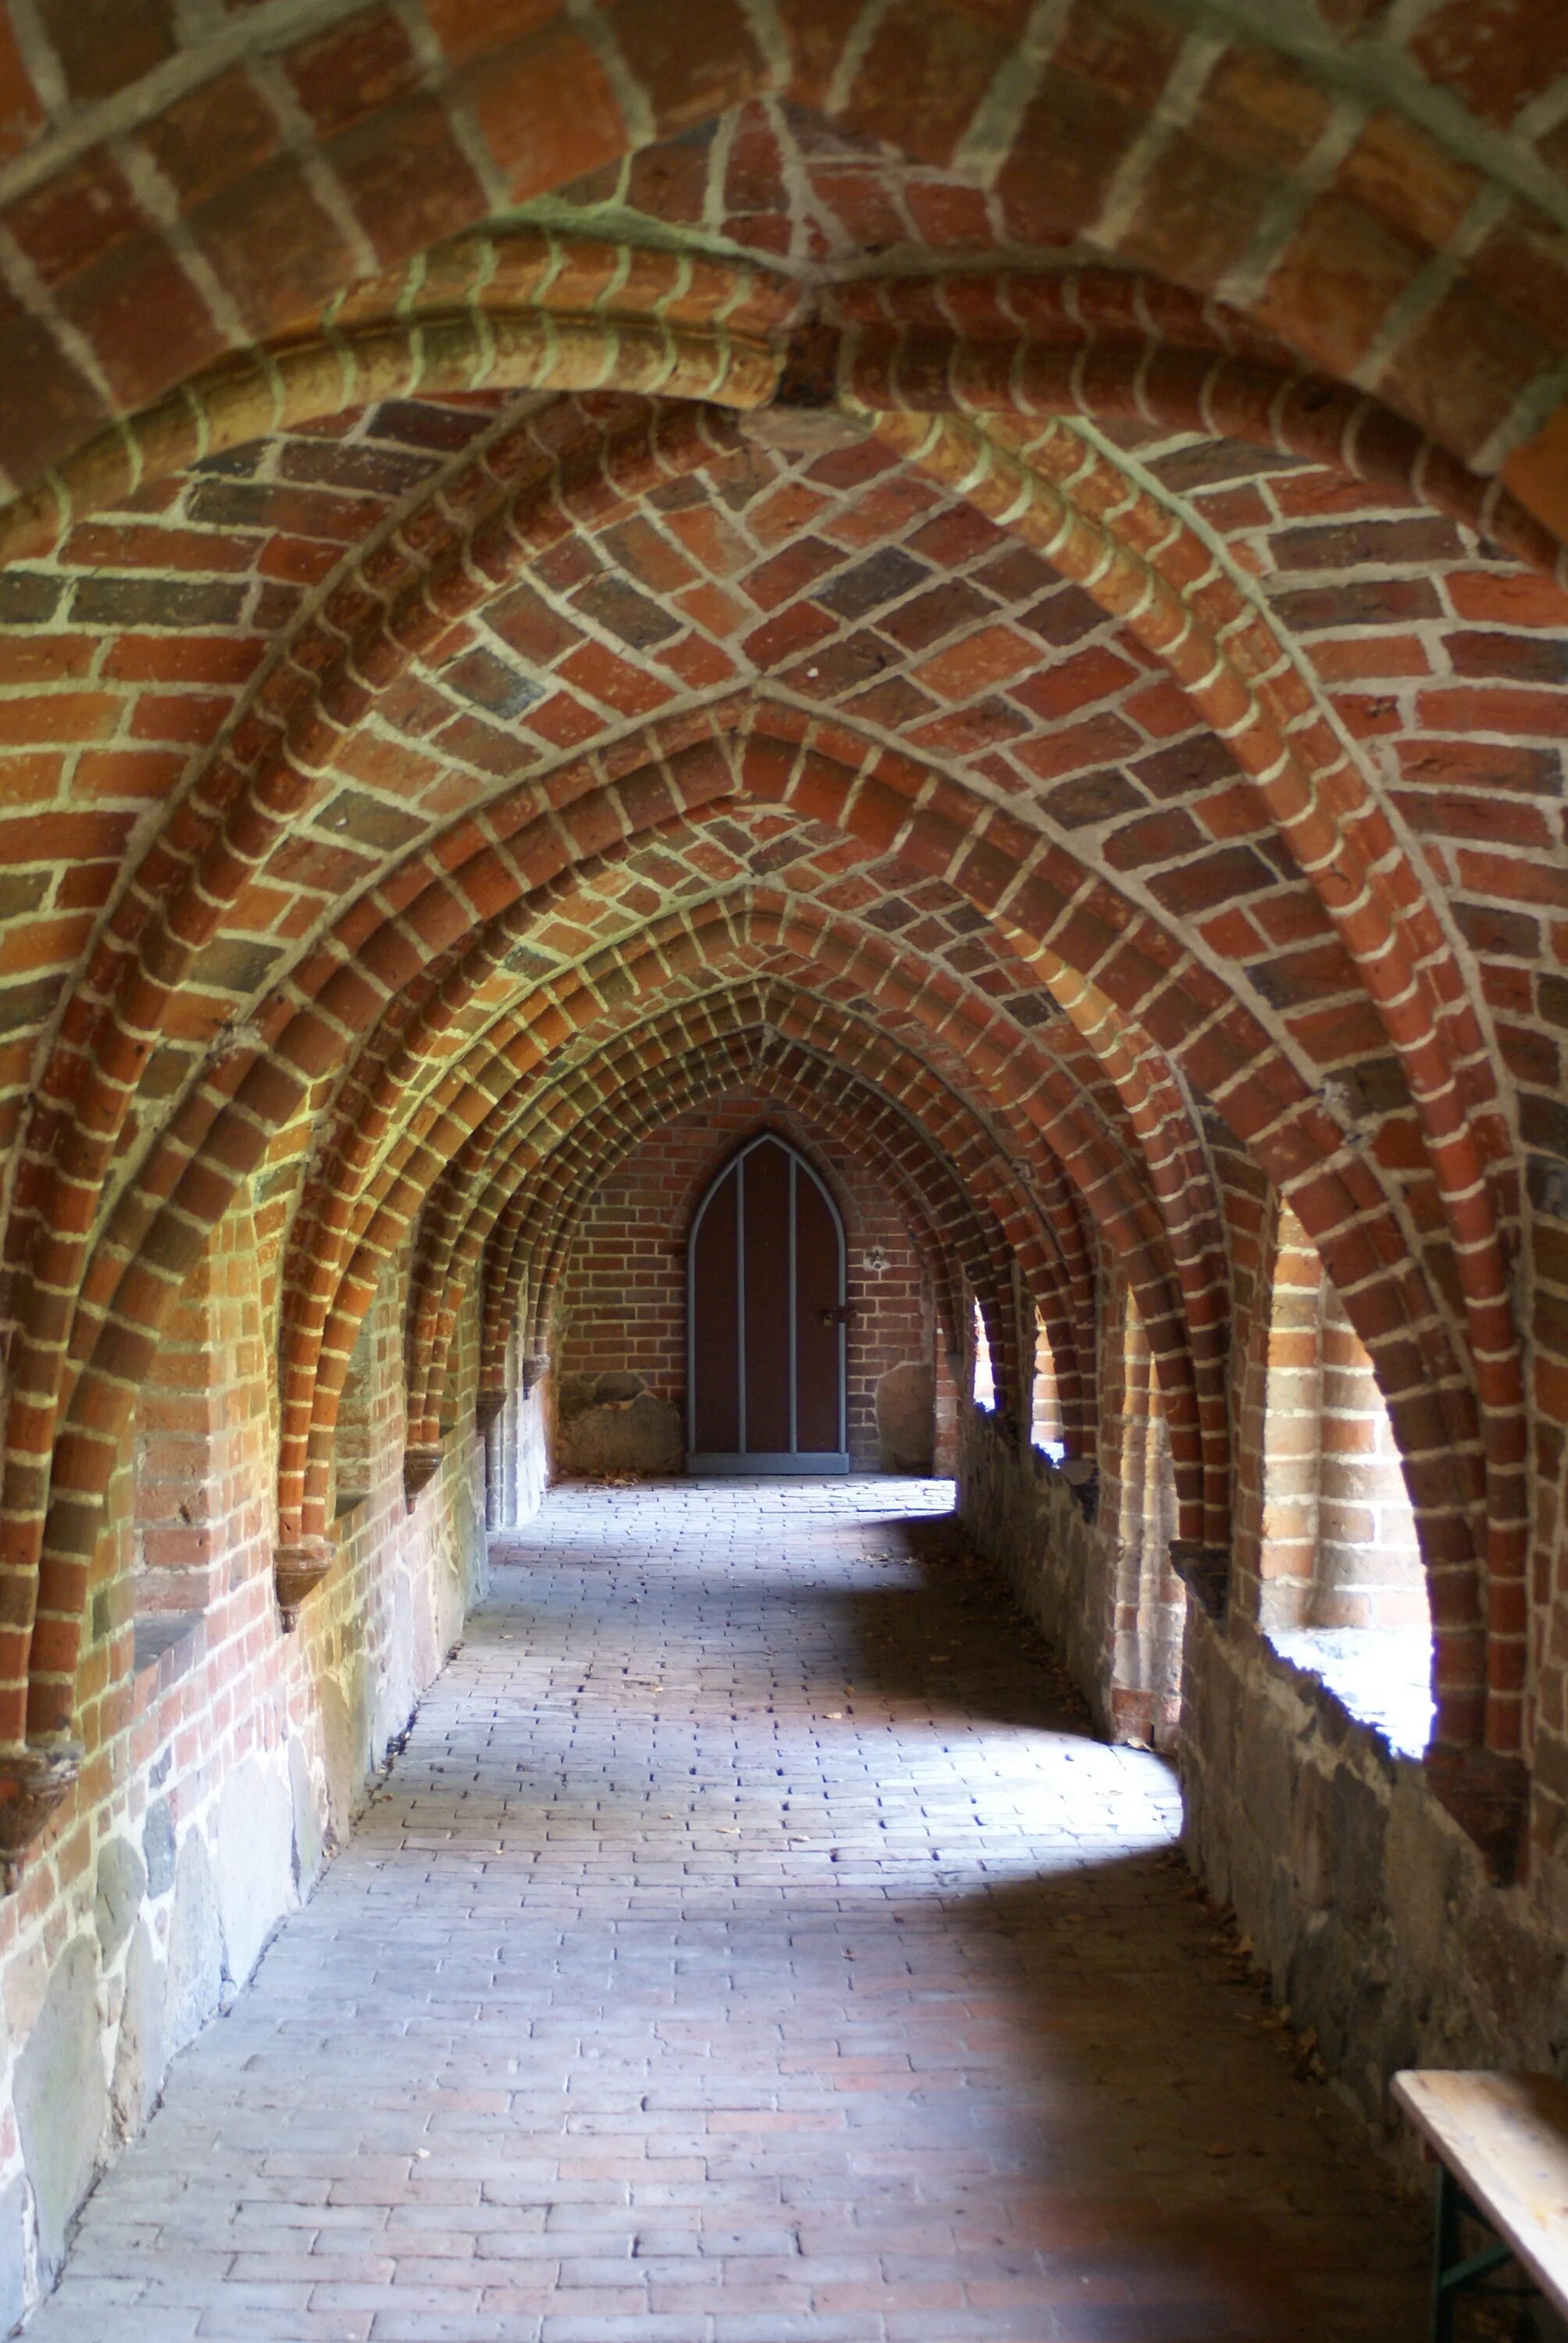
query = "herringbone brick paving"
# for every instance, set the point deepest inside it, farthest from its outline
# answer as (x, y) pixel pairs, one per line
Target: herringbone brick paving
(750, 1943)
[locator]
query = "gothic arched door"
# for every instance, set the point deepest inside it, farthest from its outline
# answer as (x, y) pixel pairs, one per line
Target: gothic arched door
(766, 1319)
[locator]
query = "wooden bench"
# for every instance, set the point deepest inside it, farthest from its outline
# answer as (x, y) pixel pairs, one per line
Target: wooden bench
(1501, 2142)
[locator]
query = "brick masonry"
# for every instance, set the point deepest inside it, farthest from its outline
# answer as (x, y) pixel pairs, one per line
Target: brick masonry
(623, 1305)
(898, 1949)
(996, 598)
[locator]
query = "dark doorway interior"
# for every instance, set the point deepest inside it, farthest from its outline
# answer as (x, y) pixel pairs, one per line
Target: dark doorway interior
(766, 1319)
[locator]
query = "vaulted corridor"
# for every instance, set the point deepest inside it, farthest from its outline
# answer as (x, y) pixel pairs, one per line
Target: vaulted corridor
(750, 1942)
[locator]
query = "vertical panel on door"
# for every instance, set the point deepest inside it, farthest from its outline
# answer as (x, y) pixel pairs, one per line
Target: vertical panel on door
(765, 1173)
(765, 1327)
(714, 1303)
(818, 1339)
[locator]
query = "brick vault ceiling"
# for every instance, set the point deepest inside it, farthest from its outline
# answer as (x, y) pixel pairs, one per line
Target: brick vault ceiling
(1001, 580)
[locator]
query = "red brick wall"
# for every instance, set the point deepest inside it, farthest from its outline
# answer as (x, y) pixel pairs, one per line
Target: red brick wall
(1246, 704)
(202, 1434)
(1340, 1546)
(623, 1301)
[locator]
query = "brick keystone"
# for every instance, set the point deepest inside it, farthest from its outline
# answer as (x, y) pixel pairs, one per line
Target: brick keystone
(804, 416)
(298, 1571)
(1205, 1571)
(803, 430)
(33, 1782)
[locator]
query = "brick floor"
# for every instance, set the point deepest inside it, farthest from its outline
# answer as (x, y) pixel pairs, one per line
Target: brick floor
(752, 1943)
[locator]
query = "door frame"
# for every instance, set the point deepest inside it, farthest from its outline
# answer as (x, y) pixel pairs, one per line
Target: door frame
(768, 1461)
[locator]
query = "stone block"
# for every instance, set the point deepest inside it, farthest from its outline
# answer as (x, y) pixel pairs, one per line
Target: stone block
(254, 1861)
(308, 1847)
(1358, 1823)
(574, 1396)
(345, 1749)
(140, 2054)
(644, 1435)
(158, 1848)
(61, 2097)
(195, 1976)
(121, 1883)
(906, 1425)
(14, 2244)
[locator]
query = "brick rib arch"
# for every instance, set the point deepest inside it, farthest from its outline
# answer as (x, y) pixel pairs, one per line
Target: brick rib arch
(543, 103)
(468, 1105)
(519, 312)
(950, 1145)
(1183, 1184)
(641, 338)
(1081, 344)
(1439, 378)
(533, 1230)
(853, 965)
(1476, 1201)
(1016, 844)
(1306, 780)
(172, 904)
(176, 903)
(1395, 978)
(961, 1243)
(478, 1114)
(1388, 969)
(636, 1109)
(1409, 1346)
(496, 1209)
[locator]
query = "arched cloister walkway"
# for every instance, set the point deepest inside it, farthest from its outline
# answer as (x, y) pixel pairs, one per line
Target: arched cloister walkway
(750, 1942)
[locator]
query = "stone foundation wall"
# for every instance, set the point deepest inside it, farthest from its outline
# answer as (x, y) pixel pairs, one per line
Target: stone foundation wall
(1369, 1907)
(1366, 1902)
(1086, 1544)
(1021, 1513)
(516, 1465)
(224, 1759)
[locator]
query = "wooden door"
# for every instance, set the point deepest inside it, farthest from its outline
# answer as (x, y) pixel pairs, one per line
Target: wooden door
(766, 1319)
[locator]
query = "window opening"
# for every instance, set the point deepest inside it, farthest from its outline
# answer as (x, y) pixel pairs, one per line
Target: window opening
(353, 1472)
(1344, 1589)
(1152, 1602)
(985, 1367)
(1046, 1428)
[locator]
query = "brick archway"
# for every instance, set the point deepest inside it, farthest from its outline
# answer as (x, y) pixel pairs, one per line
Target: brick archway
(1331, 1011)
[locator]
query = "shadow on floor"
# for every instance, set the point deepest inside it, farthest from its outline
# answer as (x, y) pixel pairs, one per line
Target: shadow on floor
(958, 1641)
(1144, 2164)
(1192, 2187)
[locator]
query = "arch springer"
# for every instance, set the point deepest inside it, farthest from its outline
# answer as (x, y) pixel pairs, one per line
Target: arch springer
(1205, 1571)
(33, 1780)
(420, 1466)
(298, 1570)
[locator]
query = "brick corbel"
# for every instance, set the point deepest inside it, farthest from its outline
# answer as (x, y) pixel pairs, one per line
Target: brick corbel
(1488, 1795)
(534, 1370)
(488, 1408)
(420, 1466)
(33, 1783)
(298, 1570)
(1082, 1475)
(1205, 1571)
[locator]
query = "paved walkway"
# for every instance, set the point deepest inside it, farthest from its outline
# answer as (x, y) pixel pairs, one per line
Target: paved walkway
(751, 1944)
